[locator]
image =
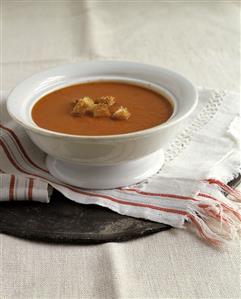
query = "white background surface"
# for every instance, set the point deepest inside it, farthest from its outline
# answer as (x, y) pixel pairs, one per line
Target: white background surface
(200, 39)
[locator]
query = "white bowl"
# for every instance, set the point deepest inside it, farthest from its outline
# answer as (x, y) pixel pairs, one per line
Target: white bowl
(112, 150)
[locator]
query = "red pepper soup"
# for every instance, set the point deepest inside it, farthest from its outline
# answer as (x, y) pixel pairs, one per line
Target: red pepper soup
(101, 108)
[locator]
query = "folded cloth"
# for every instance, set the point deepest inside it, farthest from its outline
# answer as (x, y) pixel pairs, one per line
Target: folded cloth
(203, 157)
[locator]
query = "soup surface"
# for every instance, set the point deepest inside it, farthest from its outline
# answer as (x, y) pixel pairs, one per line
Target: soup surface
(147, 108)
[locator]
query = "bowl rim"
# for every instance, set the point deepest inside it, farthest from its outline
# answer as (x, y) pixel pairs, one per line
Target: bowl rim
(55, 134)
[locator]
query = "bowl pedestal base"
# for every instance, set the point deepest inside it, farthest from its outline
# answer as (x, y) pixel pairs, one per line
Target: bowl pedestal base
(105, 176)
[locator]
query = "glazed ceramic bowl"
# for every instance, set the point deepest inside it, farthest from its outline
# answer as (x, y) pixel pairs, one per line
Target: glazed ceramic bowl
(102, 150)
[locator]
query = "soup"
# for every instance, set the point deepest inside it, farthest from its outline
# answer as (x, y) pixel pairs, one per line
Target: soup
(146, 109)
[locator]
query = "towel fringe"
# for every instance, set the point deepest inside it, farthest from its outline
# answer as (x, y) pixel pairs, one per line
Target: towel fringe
(216, 219)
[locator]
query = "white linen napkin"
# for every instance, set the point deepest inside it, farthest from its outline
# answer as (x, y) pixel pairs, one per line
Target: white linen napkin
(203, 157)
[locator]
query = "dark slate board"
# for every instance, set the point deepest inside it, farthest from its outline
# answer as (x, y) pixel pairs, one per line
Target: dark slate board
(64, 221)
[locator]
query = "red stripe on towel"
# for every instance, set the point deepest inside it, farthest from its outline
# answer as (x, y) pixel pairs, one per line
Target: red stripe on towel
(11, 188)
(158, 194)
(21, 148)
(30, 189)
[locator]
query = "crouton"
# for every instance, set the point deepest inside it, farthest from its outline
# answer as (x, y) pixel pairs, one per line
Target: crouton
(73, 102)
(101, 110)
(121, 113)
(82, 106)
(108, 100)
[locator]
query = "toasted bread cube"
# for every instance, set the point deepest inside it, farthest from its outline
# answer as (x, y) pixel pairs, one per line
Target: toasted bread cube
(108, 100)
(101, 110)
(73, 102)
(121, 114)
(82, 106)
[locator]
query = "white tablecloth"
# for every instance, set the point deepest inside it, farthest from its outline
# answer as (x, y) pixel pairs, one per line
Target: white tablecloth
(200, 40)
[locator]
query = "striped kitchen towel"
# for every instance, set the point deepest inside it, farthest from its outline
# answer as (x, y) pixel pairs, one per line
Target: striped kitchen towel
(203, 157)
